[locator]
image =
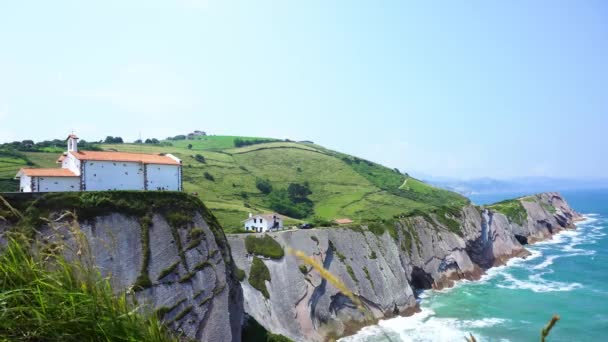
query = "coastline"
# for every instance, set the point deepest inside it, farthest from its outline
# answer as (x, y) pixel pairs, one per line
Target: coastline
(426, 313)
(387, 269)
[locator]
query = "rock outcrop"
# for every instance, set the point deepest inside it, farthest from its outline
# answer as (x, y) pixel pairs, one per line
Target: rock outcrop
(387, 268)
(168, 250)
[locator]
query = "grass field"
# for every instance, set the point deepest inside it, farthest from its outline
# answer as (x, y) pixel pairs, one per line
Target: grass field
(342, 186)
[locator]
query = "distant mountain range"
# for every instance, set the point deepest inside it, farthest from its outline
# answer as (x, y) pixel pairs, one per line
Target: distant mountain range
(481, 186)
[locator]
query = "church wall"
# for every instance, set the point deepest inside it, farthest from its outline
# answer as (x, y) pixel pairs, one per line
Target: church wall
(163, 177)
(71, 163)
(57, 184)
(108, 175)
(25, 184)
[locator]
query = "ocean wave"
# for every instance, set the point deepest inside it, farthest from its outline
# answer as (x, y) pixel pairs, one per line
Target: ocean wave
(535, 283)
(424, 326)
(546, 263)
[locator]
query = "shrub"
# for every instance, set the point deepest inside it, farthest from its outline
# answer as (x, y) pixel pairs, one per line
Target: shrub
(240, 274)
(239, 142)
(303, 269)
(282, 203)
(265, 246)
(209, 177)
(263, 185)
(258, 275)
(298, 192)
(199, 158)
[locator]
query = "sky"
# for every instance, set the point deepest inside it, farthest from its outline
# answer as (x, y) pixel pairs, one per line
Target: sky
(448, 89)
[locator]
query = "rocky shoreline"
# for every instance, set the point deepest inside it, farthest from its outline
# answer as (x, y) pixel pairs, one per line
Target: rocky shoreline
(386, 270)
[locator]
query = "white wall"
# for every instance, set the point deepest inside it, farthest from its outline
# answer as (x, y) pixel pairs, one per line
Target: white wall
(163, 177)
(108, 175)
(25, 183)
(57, 184)
(250, 225)
(71, 163)
(266, 225)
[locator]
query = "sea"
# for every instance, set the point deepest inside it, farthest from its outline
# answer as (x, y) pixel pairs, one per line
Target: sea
(565, 276)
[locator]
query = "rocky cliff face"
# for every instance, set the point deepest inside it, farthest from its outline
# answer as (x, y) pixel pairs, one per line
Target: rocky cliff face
(386, 268)
(168, 251)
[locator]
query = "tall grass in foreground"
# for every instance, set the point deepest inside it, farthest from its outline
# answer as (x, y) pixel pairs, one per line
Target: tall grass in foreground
(44, 297)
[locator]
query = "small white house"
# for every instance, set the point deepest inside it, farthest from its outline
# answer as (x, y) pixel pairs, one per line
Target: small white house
(263, 223)
(101, 170)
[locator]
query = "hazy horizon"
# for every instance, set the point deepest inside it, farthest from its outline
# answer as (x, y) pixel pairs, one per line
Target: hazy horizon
(497, 90)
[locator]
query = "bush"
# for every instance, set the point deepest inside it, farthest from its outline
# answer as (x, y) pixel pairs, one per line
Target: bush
(113, 140)
(265, 246)
(199, 158)
(303, 269)
(298, 192)
(282, 203)
(240, 274)
(263, 185)
(209, 177)
(239, 142)
(258, 275)
(152, 141)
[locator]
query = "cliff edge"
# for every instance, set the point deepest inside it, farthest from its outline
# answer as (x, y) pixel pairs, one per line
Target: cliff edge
(386, 265)
(164, 247)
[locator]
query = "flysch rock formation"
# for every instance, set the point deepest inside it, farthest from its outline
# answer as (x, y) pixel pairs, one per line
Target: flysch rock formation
(189, 278)
(385, 271)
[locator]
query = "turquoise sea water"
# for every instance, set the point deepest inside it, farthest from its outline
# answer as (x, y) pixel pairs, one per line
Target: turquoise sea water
(567, 275)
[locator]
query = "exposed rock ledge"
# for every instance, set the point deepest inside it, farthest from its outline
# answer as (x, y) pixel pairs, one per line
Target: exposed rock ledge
(386, 271)
(166, 247)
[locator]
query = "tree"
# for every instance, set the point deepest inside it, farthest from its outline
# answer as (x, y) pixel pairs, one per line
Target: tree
(113, 140)
(263, 185)
(153, 141)
(298, 192)
(199, 158)
(189, 146)
(138, 141)
(208, 176)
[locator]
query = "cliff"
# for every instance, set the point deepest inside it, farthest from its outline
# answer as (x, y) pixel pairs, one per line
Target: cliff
(386, 266)
(166, 248)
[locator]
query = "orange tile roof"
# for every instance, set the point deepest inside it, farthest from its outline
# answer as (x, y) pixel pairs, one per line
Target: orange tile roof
(72, 136)
(58, 172)
(125, 157)
(343, 221)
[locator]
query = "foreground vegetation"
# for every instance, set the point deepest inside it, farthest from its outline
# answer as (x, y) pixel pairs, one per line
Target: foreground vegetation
(303, 181)
(44, 297)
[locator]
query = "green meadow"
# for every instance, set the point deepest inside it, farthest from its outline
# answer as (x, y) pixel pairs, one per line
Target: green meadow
(342, 186)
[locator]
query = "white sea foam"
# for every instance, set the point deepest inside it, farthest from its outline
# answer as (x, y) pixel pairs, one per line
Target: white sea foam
(546, 263)
(425, 326)
(536, 283)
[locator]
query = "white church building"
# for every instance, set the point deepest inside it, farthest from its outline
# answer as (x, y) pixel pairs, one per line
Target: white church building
(101, 170)
(263, 223)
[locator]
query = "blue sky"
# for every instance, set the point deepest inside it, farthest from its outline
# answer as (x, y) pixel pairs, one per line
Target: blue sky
(457, 89)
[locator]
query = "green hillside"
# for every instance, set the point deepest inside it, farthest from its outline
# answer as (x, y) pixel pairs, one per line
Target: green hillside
(330, 185)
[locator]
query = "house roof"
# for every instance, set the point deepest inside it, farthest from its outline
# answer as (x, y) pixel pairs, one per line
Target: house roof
(73, 136)
(57, 172)
(343, 221)
(126, 157)
(267, 217)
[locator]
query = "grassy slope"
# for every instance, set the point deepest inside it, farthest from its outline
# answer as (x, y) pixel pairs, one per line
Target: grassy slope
(342, 185)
